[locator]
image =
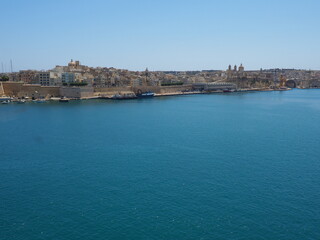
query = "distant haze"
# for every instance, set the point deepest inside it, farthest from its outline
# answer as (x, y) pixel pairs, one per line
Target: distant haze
(160, 35)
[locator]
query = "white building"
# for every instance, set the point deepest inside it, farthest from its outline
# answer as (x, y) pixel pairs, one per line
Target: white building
(67, 77)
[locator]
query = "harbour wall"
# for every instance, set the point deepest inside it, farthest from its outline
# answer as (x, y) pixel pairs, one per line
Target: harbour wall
(76, 92)
(20, 89)
(14, 89)
(155, 89)
(1, 89)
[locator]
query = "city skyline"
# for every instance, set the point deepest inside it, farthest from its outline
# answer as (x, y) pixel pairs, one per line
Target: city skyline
(181, 36)
(7, 68)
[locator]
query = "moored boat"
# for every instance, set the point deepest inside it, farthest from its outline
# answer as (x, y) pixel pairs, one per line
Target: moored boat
(40, 101)
(21, 101)
(123, 96)
(228, 90)
(64, 100)
(5, 101)
(4, 98)
(145, 94)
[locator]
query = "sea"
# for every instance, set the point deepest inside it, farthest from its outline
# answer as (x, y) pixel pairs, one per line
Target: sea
(217, 166)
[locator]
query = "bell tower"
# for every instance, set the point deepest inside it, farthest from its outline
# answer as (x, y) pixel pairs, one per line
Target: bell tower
(235, 68)
(241, 68)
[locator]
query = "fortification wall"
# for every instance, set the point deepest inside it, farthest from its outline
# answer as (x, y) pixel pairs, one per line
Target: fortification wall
(14, 89)
(1, 89)
(163, 89)
(173, 89)
(19, 89)
(76, 92)
(112, 89)
(11, 89)
(155, 89)
(52, 91)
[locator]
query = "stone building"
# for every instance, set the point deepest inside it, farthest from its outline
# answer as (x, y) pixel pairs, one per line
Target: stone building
(28, 76)
(248, 79)
(67, 78)
(43, 78)
(74, 64)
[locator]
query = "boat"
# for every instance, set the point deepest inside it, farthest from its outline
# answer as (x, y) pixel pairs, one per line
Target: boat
(4, 98)
(124, 96)
(5, 102)
(64, 100)
(282, 89)
(40, 101)
(55, 99)
(21, 101)
(145, 94)
(228, 90)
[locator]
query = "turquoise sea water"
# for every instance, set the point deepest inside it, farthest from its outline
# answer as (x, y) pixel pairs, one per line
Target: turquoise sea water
(224, 166)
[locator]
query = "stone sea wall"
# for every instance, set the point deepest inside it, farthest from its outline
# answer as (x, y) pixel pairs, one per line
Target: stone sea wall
(14, 89)
(155, 89)
(19, 89)
(1, 89)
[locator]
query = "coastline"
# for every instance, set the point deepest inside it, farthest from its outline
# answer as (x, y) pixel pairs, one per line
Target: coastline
(156, 95)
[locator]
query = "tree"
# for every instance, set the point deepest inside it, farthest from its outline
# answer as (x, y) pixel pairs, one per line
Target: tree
(4, 78)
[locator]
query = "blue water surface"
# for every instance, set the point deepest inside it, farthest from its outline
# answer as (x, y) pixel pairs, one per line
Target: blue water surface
(220, 166)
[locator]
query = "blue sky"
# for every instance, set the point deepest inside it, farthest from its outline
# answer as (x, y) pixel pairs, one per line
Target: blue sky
(161, 35)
